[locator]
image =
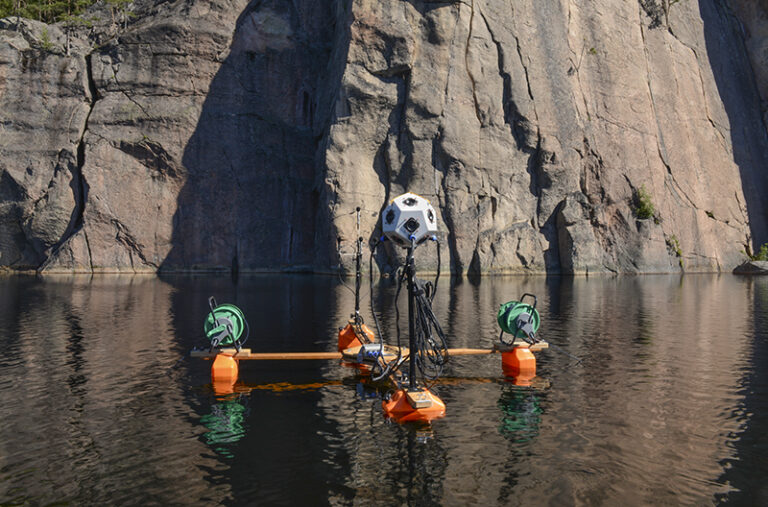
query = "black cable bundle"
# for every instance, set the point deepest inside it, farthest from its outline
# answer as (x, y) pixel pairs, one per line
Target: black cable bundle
(431, 348)
(393, 364)
(431, 351)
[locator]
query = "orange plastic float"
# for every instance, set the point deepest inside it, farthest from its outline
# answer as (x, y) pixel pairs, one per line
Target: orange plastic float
(352, 337)
(224, 368)
(519, 362)
(349, 336)
(419, 405)
(224, 372)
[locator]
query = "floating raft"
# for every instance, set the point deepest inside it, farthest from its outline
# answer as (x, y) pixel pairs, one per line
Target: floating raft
(351, 354)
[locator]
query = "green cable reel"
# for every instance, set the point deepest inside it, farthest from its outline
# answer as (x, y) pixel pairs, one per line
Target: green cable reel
(519, 319)
(225, 325)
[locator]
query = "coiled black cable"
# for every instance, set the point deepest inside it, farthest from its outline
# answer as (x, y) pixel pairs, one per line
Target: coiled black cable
(386, 367)
(430, 353)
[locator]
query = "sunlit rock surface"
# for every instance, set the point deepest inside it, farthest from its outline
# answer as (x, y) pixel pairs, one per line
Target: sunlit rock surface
(230, 135)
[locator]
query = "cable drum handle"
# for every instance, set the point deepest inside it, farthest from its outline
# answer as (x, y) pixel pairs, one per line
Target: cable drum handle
(212, 304)
(531, 295)
(228, 325)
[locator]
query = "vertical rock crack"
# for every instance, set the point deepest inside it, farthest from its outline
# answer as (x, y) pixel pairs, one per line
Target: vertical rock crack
(466, 62)
(79, 185)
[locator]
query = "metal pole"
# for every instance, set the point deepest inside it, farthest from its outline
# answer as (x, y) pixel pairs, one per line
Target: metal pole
(358, 279)
(358, 274)
(411, 324)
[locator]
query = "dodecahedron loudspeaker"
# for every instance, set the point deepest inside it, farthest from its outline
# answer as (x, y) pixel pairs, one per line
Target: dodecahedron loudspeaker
(409, 216)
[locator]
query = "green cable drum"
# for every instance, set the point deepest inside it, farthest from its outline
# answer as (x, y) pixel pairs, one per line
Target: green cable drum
(224, 325)
(509, 312)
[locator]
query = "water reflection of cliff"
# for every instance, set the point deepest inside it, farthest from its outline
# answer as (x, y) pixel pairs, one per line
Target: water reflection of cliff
(746, 470)
(668, 395)
(648, 410)
(269, 444)
(94, 417)
(646, 416)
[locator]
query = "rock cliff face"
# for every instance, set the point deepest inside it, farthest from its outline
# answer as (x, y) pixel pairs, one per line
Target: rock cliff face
(753, 19)
(233, 135)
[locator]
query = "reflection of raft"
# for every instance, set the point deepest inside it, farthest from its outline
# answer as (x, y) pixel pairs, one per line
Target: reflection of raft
(521, 415)
(357, 380)
(225, 424)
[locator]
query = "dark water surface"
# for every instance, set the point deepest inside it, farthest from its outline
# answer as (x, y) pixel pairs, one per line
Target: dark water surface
(670, 403)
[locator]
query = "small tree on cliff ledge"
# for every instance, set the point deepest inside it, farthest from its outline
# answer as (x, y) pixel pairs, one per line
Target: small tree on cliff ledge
(762, 254)
(120, 7)
(643, 205)
(658, 10)
(71, 23)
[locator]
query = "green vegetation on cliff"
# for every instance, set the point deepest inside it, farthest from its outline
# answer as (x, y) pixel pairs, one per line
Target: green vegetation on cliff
(643, 205)
(53, 11)
(762, 254)
(47, 11)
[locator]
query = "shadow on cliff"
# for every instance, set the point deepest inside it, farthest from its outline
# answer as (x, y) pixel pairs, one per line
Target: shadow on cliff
(736, 85)
(251, 196)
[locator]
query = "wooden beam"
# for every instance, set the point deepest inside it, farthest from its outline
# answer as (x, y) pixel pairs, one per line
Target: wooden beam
(389, 352)
(247, 354)
(497, 348)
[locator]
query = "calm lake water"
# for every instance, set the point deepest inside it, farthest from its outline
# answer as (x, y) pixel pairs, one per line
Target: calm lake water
(670, 403)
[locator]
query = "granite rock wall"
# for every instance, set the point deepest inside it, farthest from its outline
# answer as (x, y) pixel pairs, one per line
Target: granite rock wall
(235, 135)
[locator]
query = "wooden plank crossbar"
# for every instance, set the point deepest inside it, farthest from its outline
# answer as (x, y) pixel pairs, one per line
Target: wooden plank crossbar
(246, 354)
